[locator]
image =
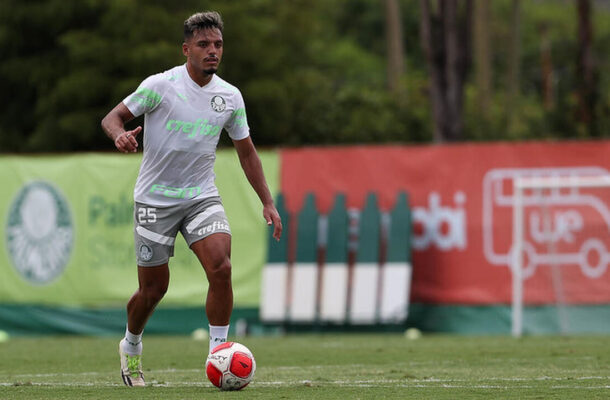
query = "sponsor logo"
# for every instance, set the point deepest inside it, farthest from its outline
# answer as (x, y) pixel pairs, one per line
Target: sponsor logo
(177, 193)
(198, 128)
(441, 226)
(117, 212)
(145, 252)
(218, 104)
(39, 232)
(217, 357)
(554, 221)
(213, 227)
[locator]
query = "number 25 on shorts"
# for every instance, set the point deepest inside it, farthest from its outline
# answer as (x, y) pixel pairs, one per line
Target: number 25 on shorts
(147, 215)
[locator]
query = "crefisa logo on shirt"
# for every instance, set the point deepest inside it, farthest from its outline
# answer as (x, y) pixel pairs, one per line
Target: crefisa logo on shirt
(218, 103)
(39, 232)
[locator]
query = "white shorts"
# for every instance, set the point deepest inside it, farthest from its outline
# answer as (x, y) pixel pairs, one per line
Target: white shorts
(156, 228)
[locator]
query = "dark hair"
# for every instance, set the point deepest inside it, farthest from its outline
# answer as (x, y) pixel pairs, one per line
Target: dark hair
(202, 20)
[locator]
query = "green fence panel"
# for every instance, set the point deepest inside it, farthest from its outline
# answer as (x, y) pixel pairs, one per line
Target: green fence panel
(368, 231)
(307, 231)
(399, 238)
(336, 247)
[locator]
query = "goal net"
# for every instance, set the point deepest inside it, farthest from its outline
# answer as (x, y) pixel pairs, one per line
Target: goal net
(560, 255)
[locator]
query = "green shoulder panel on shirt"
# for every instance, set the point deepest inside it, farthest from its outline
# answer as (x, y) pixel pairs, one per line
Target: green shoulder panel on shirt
(148, 97)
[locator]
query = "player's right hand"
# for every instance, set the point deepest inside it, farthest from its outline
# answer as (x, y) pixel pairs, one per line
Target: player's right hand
(126, 142)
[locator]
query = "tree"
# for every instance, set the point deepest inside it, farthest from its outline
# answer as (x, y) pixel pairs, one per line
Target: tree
(585, 67)
(445, 38)
(546, 68)
(394, 41)
(482, 54)
(514, 62)
(313, 71)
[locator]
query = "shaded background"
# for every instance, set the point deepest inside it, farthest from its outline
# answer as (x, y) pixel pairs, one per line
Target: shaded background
(317, 71)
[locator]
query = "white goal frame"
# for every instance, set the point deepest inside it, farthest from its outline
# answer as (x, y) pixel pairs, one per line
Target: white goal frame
(520, 184)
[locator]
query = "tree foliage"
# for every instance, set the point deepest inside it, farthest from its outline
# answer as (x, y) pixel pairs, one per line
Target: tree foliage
(311, 71)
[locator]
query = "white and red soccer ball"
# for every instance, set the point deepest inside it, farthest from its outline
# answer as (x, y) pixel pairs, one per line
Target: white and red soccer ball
(230, 366)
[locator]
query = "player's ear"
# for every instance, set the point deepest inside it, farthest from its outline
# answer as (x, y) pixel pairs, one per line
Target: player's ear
(185, 49)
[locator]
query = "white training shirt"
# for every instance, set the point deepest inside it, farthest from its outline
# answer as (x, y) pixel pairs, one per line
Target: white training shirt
(182, 125)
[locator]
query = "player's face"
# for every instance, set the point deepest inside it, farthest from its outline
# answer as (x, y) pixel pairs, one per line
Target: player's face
(203, 51)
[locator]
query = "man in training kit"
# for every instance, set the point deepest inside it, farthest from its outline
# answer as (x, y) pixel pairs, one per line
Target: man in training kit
(185, 110)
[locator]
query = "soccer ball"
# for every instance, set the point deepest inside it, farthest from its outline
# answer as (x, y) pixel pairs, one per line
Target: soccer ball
(230, 366)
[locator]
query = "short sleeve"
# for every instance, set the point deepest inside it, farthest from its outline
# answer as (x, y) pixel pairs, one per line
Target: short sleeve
(146, 97)
(237, 125)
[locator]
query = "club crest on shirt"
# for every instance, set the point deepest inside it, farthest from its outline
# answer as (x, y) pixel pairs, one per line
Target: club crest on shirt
(218, 103)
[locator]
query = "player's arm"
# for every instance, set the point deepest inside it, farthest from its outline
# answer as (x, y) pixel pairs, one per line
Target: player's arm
(113, 125)
(251, 164)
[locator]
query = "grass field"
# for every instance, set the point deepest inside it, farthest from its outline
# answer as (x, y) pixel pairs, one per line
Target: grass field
(349, 366)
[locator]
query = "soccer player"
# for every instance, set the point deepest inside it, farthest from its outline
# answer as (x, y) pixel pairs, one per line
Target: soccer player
(185, 109)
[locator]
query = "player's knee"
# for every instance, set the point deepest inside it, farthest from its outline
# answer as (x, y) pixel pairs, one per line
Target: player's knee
(154, 293)
(221, 272)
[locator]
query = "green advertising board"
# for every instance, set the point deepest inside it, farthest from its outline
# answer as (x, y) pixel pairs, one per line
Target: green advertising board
(67, 232)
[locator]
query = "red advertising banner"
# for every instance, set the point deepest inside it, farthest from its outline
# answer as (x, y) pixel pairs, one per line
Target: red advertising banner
(462, 205)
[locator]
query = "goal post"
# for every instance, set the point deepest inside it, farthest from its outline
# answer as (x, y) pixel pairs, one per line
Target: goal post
(560, 252)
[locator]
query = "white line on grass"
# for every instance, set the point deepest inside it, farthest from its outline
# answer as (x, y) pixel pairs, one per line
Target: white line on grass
(306, 383)
(369, 381)
(57, 374)
(20, 380)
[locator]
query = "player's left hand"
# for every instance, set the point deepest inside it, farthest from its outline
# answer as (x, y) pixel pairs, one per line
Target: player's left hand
(273, 217)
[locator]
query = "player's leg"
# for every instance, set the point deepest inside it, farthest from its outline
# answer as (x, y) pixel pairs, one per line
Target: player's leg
(153, 283)
(154, 235)
(214, 253)
(207, 233)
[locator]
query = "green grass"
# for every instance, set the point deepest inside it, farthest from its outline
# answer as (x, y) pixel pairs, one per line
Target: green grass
(349, 366)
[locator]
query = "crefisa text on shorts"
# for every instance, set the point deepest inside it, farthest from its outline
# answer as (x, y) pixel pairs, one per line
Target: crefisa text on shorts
(213, 227)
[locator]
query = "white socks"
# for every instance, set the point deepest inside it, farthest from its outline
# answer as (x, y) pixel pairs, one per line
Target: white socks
(132, 344)
(218, 335)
